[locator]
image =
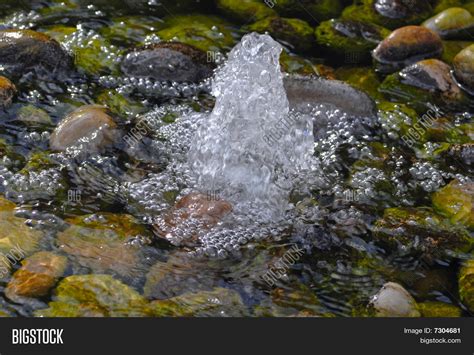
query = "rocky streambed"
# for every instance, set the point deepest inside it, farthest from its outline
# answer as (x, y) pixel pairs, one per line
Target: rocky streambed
(347, 185)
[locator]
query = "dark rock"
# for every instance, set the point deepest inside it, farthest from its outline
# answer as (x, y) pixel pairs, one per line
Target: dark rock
(22, 51)
(405, 46)
(171, 61)
(464, 67)
(7, 91)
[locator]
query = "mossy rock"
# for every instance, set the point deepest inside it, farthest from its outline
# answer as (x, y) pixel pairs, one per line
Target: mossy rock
(120, 104)
(38, 161)
(365, 11)
(452, 23)
(296, 32)
(207, 33)
(9, 157)
(309, 10)
(442, 5)
(439, 310)
(421, 230)
(100, 243)
(32, 115)
(456, 201)
(130, 30)
(293, 64)
(244, 10)
(94, 296)
(362, 78)
(452, 48)
(398, 119)
(466, 284)
(352, 41)
(16, 239)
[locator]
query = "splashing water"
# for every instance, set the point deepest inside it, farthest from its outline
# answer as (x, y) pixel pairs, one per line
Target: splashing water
(250, 144)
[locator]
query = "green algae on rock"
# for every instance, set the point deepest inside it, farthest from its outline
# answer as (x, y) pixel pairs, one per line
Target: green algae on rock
(351, 40)
(453, 23)
(243, 10)
(439, 310)
(38, 274)
(309, 10)
(422, 231)
(94, 296)
(466, 284)
(32, 115)
(120, 104)
(389, 13)
(405, 46)
(296, 32)
(456, 201)
(463, 65)
(362, 78)
(207, 33)
(452, 48)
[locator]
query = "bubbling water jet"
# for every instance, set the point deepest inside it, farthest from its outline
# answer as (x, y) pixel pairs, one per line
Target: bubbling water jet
(251, 144)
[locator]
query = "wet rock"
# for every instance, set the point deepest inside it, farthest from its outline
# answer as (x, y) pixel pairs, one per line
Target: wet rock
(389, 13)
(204, 211)
(22, 51)
(219, 302)
(466, 284)
(309, 10)
(38, 274)
(456, 201)
(405, 46)
(16, 239)
(120, 105)
(207, 33)
(453, 23)
(420, 231)
(452, 48)
(103, 243)
(352, 41)
(7, 91)
(439, 310)
(32, 115)
(89, 125)
(362, 78)
(243, 10)
(394, 301)
(168, 61)
(296, 32)
(302, 92)
(94, 296)
(464, 67)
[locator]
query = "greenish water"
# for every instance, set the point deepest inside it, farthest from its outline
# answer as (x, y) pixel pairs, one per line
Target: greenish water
(393, 212)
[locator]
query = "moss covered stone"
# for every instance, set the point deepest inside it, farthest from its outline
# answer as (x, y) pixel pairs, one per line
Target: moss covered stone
(439, 310)
(453, 23)
(466, 284)
(310, 10)
(296, 32)
(456, 201)
(351, 41)
(7, 91)
(245, 10)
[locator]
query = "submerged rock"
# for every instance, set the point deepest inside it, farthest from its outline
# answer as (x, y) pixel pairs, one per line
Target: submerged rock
(22, 51)
(32, 115)
(102, 243)
(439, 310)
(453, 23)
(394, 301)
(456, 201)
(171, 61)
(302, 92)
(16, 239)
(296, 32)
(352, 40)
(466, 284)
(389, 13)
(243, 10)
(405, 46)
(309, 10)
(37, 275)
(7, 91)
(89, 125)
(464, 67)
(422, 231)
(94, 296)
